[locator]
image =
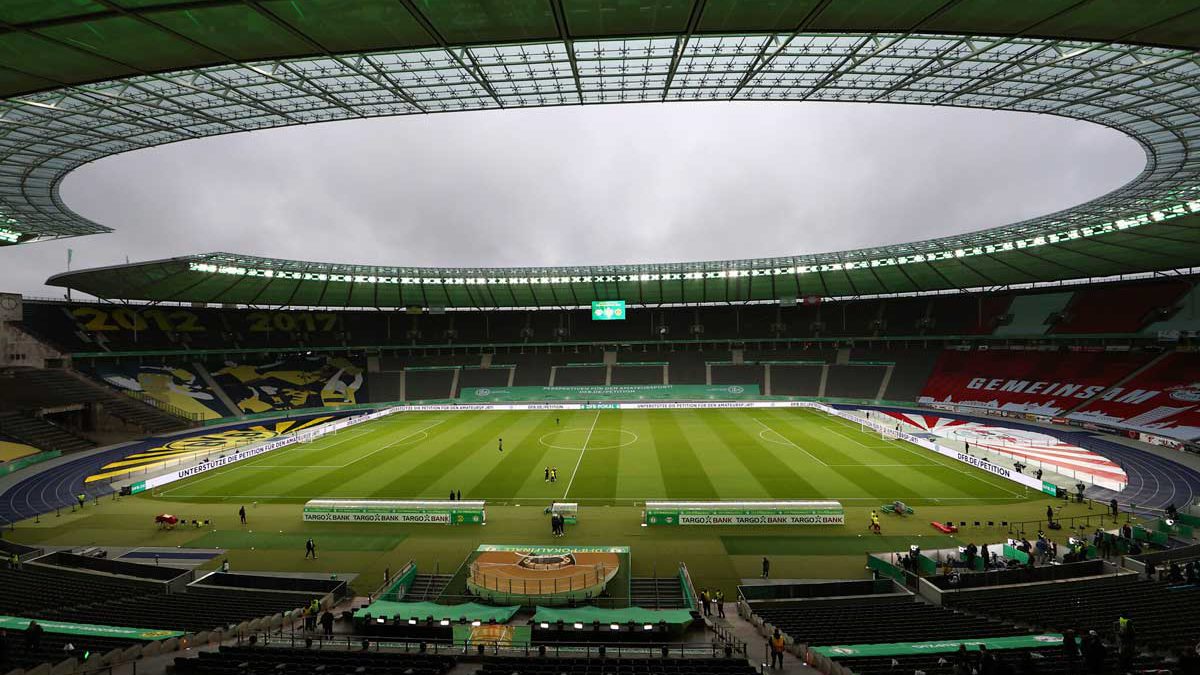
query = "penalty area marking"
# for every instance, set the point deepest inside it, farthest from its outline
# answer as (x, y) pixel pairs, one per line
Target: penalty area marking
(790, 442)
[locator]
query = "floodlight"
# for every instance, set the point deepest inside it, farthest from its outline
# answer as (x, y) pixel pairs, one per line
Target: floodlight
(578, 626)
(614, 626)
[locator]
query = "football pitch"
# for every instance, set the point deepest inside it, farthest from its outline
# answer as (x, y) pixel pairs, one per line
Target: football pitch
(602, 457)
(609, 461)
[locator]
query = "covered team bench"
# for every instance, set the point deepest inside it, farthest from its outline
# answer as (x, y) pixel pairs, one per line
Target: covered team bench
(435, 512)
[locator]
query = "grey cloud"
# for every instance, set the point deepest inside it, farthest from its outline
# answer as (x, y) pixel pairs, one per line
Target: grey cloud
(632, 183)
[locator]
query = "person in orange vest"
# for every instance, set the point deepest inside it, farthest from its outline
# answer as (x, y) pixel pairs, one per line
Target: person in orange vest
(777, 649)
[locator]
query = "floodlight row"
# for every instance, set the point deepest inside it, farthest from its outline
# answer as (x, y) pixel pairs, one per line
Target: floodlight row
(933, 256)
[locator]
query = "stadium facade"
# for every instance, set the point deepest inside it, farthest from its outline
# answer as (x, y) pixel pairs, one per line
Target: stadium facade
(85, 81)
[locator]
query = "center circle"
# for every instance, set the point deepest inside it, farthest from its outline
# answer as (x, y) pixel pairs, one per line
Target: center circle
(600, 438)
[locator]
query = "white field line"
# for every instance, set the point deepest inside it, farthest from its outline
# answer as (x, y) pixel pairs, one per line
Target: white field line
(630, 500)
(904, 446)
(581, 453)
(790, 442)
(252, 463)
(395, 442)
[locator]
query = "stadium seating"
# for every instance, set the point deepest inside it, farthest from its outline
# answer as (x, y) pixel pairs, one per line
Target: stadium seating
(40, 433)
(51, 649)
(873, 619)
(178, 385)
(292, 382)
(41, 389)
(854, 381)
(625, 666)
(1121, 308)
(261, 660)
(43, 592)
(1045, 660)
(36, 588)
(1160, 399)
(966, 377)
(1164, 615)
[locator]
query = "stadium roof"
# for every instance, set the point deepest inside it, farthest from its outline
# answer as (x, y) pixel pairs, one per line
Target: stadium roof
(84, 79)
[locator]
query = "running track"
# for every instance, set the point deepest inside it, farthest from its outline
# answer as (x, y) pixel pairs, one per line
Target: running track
(1154, 481)
(56, 487)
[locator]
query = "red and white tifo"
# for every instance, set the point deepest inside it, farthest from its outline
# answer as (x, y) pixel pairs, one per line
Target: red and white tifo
(1030, 447)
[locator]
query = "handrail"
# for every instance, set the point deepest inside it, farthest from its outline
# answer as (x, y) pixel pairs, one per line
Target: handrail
(163, 406)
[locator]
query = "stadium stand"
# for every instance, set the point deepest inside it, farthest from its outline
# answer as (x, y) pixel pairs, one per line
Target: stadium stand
(796, 380)
(175, 386)
(1003, 379)
(911, 370)
(1164, 614)
(41, 433)
(894, 617)
(625, 666)
(1033, 314)
(52, 648)
(1183, 316)
(1160, 399)
(428, 385)
(724, 373)
(855, 381)
(577, 375)
(635, 374)
(292, 382)
(44, 592)
(232, 660)
(1119, 309)
(35, 390)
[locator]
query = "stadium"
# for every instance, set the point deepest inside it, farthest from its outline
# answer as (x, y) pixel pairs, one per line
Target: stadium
(971, 453)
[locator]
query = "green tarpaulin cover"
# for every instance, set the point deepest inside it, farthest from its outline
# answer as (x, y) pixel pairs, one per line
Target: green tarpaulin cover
(86, 629)
(625, 615)
(1048, 640)
(470, 611)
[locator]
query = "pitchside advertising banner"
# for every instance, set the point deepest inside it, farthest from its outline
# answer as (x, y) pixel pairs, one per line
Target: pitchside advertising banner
(434, 512)
(745, 513)
(609, 392)
(1027, 481)
(256, 450)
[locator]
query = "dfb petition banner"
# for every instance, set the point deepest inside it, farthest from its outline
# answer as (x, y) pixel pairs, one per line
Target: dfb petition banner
(978, 463)
(305, 436)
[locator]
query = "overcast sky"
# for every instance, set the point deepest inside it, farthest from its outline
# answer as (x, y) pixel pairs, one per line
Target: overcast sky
(612, 184)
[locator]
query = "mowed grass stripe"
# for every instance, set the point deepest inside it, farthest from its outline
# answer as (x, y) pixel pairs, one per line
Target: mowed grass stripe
(776, 470)
(418, 479)
(727, 464)
(850, 467)
(601, 462)
(640, 476)
(521, 463)
(967, 479)
(314, 483)
(684, 475)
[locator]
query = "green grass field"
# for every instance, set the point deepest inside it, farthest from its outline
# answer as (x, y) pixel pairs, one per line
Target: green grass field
(609, 461)
(603, 457)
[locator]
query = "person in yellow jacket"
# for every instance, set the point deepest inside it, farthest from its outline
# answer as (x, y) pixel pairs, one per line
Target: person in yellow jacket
(875, 527)
(777, 649)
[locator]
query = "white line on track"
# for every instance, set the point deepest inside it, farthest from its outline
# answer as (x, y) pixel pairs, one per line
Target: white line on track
(581, 453)
(790, 442)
